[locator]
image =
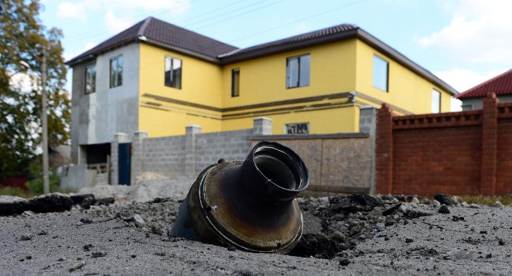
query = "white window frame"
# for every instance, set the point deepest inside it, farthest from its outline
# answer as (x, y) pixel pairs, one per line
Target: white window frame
(172, 61)
(375, 59)
(116, 71)
(436, 105)
(90, 79)
(300, 81)
(289, 126)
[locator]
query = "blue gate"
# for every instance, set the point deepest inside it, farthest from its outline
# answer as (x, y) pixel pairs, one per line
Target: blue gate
(124, 161)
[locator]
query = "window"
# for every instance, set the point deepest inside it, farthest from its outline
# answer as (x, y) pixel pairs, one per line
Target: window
(116, 71)
(235, 82)
(297, 128)
(436, 101)
(90, 78)
(380, 73)
(173, 72)
(297, 71)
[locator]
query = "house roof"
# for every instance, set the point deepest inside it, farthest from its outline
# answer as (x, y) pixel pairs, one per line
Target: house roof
(500, 85)
(293, 42)
(166, 35)
(160, 33)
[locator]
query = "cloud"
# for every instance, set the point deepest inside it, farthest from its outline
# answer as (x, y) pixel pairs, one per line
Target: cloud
(79, 8)
(170, 6)
(69, 10)
(116, 24)
(463, 79)
(479, 32)
(71, 54)
(22, 81)
(302, 27)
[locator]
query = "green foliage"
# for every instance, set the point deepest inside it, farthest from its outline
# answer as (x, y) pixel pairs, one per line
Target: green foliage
(15, 191)
(488, 200)
(35, 184)
(22, 40)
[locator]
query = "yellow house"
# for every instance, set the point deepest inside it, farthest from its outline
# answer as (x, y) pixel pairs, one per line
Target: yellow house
(158, 78)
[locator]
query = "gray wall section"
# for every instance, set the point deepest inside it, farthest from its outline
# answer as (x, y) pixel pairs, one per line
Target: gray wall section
(476, 103)
(96, 117)
(341, 162)
(164, 155)
(168, 155)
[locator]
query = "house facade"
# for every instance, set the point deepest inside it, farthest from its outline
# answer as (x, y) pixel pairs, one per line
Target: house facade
(159, 78)
(500, 85)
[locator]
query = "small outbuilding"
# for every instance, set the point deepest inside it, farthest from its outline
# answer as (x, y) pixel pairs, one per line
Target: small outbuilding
(501, 85)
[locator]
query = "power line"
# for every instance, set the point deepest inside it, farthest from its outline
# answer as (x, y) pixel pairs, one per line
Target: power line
(301, 19)
(205, 14)
(235, 13)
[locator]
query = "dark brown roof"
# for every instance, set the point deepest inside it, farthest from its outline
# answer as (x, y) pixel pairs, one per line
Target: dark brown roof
(294, 42)
(163, 34)
(500, 85)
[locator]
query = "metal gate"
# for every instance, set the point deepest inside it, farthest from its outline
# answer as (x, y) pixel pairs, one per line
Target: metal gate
(125, 161)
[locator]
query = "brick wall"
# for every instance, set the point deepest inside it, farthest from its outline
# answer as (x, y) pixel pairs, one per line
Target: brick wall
(455, 153)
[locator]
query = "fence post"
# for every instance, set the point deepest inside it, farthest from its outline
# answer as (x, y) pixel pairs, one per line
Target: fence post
(137, 155)
(489, 145)
(262, 126)
(384, 151)
(114, 155)
(368, 124)
(190, 149)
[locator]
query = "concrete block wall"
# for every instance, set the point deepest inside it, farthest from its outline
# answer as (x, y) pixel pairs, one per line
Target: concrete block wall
(164, 155)
(189, 154)
(341, 162)
(228, 145)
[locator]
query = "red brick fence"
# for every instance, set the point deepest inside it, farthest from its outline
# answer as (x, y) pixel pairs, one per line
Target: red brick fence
(466, 152)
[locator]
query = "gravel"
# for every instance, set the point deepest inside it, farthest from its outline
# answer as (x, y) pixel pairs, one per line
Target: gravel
(342, 235)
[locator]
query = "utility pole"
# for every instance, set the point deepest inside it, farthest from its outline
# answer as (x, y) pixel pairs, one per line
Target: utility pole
(44, 120)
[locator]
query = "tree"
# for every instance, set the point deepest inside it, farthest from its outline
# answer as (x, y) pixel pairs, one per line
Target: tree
(22, 40)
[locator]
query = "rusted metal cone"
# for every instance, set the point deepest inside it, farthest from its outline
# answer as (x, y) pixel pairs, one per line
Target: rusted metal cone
(249, 205)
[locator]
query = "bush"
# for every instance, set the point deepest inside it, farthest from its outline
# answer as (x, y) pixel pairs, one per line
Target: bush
(36, 185)
(14, 191)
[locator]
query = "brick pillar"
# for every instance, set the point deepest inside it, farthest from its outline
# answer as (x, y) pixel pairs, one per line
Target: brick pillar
(114, 146)
(190, 149)
(384, 151)
(489, 145)
(137, 155)
(262, 126)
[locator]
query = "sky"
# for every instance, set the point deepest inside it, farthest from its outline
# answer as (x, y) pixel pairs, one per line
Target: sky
(464, 42)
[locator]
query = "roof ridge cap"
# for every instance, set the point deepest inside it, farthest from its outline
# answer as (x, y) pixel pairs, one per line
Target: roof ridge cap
(269, 43)
(194, 32)
(485, 82)
(144, 25)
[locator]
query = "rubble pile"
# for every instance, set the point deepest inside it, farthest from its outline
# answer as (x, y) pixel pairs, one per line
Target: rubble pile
(335, 224)
(50, 203)
(332, 225)
(156, 216)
